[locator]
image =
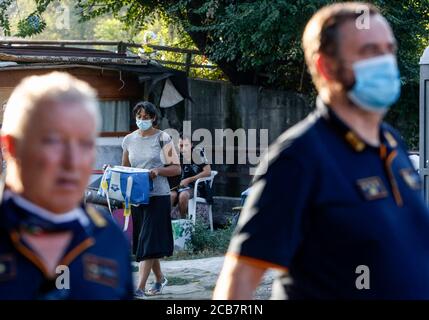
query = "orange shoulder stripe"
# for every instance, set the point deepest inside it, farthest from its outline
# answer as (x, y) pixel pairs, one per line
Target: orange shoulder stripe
(258, 263)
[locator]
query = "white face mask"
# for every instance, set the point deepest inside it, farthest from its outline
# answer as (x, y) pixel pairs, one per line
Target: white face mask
(144, 124)
(378, 83)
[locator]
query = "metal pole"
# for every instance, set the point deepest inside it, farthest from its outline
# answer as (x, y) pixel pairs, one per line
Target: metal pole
(188, 63)
(424, 123)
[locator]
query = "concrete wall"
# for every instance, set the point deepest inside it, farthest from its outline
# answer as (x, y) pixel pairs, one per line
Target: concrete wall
(222, 209)
(219, 105)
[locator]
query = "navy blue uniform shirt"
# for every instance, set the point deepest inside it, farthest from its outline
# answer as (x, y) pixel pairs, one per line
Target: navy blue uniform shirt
(325, 204)
(97, 258)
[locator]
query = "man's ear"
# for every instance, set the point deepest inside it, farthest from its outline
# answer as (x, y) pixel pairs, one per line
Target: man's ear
(326, 67)
(8, 143)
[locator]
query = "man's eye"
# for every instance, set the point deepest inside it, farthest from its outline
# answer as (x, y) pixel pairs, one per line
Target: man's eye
(51, 140)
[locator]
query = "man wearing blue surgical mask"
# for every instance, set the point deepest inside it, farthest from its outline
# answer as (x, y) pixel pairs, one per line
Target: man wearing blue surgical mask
(358, 77)
(336, 204)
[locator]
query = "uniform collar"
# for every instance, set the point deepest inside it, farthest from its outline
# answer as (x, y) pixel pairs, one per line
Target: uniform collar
(17, 213)
(350, 136)
(77, 214)
(20, 220)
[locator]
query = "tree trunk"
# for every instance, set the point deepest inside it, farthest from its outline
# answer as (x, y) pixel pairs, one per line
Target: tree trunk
(229, 68)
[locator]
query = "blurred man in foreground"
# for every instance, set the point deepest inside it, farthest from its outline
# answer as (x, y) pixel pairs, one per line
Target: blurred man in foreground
(51, 246)
(336, 205)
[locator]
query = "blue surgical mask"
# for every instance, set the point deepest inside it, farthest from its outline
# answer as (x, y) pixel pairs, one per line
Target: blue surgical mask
(144, 124)
(377, 85)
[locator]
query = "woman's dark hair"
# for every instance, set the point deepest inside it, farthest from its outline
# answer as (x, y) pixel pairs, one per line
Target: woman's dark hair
(149, 109)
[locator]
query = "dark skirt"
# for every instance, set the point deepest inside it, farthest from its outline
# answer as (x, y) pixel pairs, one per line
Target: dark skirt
(152, 231)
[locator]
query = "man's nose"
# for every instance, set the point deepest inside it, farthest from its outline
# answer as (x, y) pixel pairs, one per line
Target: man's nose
(71, 155)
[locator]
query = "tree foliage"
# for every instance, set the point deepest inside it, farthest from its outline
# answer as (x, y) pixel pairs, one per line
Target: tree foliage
(259, 41)
(254, 41)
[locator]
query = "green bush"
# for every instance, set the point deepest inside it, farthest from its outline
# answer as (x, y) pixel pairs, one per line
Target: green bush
(210, 242)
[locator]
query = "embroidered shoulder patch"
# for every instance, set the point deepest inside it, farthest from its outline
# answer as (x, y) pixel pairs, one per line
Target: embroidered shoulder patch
(101, 270)
(96, 216)
(411, 178)
(7, 267)
(372, 188)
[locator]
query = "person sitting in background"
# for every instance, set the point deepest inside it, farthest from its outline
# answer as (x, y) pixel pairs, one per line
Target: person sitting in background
(194, 166)
(51, 246)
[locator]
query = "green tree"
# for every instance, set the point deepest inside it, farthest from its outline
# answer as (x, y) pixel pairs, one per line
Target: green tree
(111, 29)
(259, 41)
(254, 42)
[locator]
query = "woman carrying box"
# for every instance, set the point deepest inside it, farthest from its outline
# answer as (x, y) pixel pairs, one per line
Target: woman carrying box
(150, 148)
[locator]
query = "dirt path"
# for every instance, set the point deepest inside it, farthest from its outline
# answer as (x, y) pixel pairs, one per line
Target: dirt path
(196, 279)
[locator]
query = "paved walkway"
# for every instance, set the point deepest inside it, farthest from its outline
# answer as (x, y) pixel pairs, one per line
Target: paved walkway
(196, 279)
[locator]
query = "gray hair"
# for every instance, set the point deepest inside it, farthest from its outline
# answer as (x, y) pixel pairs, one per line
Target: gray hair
(33, 91)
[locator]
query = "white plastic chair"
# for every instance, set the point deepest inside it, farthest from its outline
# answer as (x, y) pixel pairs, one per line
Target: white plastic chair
(192, 203)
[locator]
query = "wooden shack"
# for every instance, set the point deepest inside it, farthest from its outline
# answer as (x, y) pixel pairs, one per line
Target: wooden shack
(120, 78)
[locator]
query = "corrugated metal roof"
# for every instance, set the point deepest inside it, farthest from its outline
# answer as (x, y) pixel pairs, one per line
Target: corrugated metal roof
(55, 54)
(50, 50)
